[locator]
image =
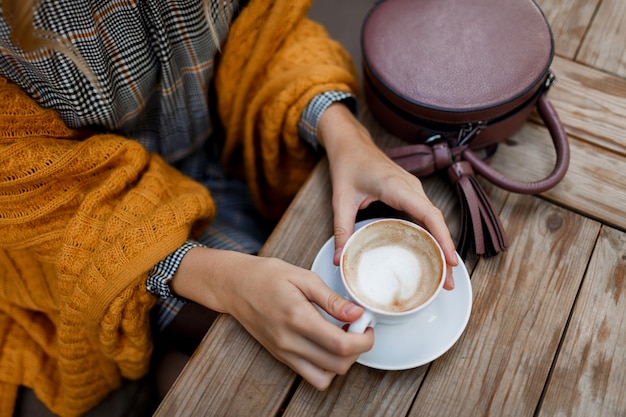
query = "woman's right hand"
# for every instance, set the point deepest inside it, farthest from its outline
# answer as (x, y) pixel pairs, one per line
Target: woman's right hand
(272, 300)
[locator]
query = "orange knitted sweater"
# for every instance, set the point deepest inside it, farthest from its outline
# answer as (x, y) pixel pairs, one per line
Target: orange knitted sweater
(84, 217)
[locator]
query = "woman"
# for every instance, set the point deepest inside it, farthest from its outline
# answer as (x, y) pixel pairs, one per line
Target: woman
(122, 197)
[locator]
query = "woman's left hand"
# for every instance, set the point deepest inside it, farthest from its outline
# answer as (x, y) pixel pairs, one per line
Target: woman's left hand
(361, 174)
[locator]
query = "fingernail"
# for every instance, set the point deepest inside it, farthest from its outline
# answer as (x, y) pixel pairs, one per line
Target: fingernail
(450, 280)
(350, 308)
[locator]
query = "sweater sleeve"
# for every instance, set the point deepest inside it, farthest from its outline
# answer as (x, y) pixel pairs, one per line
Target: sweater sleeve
(274, 62)
(84, 218)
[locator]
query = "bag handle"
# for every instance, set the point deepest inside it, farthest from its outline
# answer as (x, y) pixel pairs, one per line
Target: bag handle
(480, 225)
(559, 139)
(422, 160)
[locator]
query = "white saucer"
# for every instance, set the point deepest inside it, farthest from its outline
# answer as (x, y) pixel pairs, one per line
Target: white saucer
(417, 341)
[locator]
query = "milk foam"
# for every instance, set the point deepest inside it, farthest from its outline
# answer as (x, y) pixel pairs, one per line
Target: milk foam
(392, 267)
(388, 275)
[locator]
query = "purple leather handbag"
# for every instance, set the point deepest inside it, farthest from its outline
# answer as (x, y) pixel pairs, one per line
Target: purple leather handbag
(451, 77)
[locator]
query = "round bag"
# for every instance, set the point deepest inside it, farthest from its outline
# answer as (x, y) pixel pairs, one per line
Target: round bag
(453, 76)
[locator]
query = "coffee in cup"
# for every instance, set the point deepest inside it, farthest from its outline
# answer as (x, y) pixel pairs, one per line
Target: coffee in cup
(393, 268)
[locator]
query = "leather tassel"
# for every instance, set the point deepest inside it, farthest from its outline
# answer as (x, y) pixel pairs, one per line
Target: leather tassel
(481, 227)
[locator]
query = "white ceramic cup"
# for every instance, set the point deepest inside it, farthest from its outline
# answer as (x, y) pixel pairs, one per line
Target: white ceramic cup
(392, 268)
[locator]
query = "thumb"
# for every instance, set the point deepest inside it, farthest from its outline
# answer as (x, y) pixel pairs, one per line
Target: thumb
(344, 310)
(343, 229)
(334, 304)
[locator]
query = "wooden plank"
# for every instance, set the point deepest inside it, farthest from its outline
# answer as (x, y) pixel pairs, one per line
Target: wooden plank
(604, 46)
(589, 377)
(362, 392)
(593, 185)
(569, 22)
(522, 301)
(522, 298)
(309, 217)
(213, 385)
(591, 104)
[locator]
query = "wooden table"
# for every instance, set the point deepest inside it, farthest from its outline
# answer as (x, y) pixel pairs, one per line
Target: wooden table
(547, 334)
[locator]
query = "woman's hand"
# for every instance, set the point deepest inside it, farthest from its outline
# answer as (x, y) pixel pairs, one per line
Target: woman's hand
(272, 300)
(361, 174)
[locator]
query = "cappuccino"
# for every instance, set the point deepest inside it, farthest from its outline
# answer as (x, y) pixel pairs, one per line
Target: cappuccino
(391, 267)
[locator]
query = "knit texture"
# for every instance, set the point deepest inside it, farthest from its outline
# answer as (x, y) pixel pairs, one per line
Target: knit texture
(84, 217)
(83, 220)
(274, 62)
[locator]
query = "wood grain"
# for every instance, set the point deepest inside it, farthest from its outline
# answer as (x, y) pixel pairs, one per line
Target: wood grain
(522, 303)
(590, 104)
(362, 392)
(230, 366)
(589, 377)
(604, 47)
(569, 21)
(547, 331)
(593, 185)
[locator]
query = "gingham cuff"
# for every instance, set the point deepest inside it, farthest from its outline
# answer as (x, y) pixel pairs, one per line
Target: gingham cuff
(310, 117)
(162, 273)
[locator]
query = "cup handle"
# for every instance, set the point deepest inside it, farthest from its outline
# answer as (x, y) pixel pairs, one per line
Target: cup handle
(366, 320)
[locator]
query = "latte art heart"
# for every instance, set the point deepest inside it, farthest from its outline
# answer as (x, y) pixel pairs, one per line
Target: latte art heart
(388, 276)
(391, 266)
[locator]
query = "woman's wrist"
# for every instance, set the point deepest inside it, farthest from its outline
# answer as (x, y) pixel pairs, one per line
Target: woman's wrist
(206, 276)
(309, 119)
(338, 126)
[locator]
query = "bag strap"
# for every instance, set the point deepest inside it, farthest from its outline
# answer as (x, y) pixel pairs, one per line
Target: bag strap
(559, 139)
(422, 160)
(480, 224)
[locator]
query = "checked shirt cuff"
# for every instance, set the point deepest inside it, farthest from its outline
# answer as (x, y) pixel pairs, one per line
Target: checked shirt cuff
(310, 117)
(162, 273)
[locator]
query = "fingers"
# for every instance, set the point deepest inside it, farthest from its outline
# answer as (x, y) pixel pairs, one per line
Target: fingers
(335, 305)
(405, 193)
(434, 221)
(345, 208)
(302, 338)
(334, 340)
(323, 349)
(449, 282)
(361, 173)
(314, 375)
(321, 372)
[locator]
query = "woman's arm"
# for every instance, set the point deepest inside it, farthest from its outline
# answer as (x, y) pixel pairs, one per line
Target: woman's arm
(272, 300)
